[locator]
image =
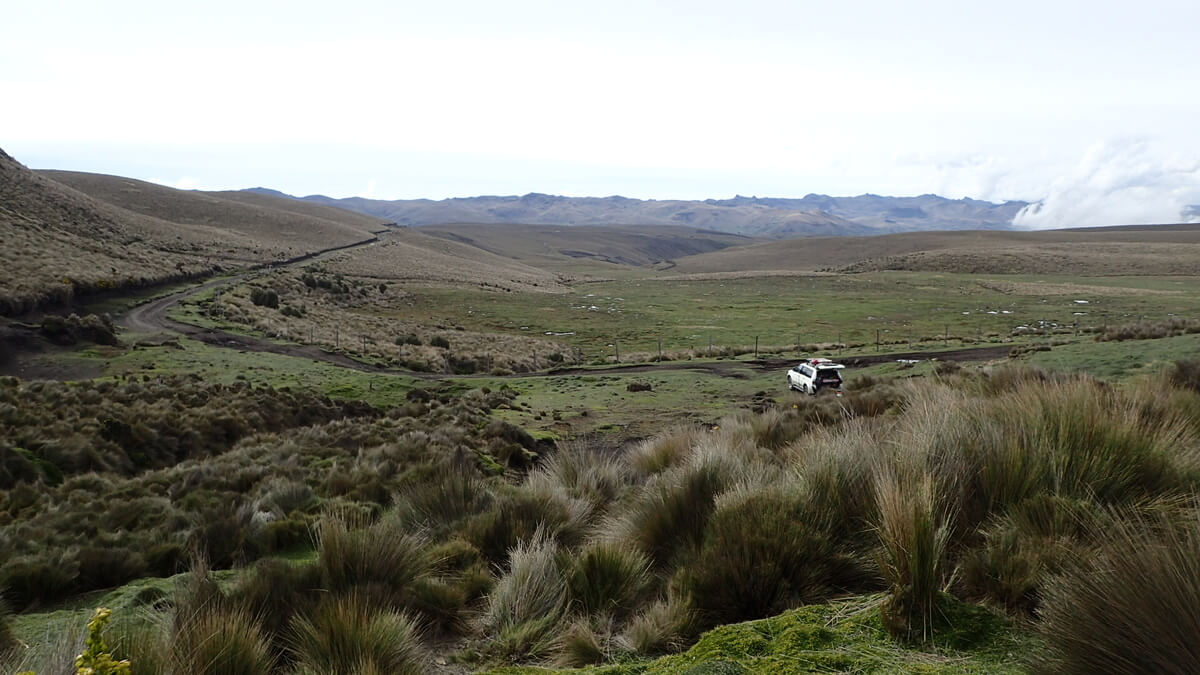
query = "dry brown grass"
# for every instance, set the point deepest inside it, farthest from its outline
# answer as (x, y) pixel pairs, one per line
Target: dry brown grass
(410, 256)
(362, 322)
(58, 242)
(1098, 251)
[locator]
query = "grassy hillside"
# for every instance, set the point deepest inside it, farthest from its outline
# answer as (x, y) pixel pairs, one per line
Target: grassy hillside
(575, 249)
(65, 234)
(56, 241)
(272, 223)
(412, 256)
(1153, 250)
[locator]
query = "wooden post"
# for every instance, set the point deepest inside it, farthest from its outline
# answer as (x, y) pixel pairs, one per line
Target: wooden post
(337, 338)
(839, 343)
(660, 349)
(910, 338)
(756, 346)
(876, 339)
(710, 343)
(617, 349)
(946, 337)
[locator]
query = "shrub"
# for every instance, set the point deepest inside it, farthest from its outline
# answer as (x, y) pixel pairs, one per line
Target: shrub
(761, 556)
(8, 640)
(1129, 606)
(439, 341)
(609, 579)
(408, 339)
(264, 297)
(914, 535)
(345, 635)
(45, 577)
(1185, 374)
(96, 658)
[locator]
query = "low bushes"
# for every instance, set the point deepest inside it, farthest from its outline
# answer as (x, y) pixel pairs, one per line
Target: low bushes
(760, 555)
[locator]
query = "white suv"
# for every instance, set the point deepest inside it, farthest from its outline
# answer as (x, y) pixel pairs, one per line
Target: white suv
(813, 375)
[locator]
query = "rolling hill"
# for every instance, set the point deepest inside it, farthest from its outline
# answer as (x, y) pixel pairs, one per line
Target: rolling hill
(813, 215)
(1131, 250)
(594, 248)
(279, 225)
(64, 234)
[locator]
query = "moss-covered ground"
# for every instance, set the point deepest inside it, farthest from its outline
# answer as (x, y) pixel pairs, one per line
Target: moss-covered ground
(841, 637)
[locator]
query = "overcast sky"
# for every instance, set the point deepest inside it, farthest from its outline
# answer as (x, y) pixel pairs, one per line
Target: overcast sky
(1090, 106)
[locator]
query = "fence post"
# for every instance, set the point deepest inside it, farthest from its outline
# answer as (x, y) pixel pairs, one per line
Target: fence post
(337, 338)
(660, 349)
(710, 343)
(946, 337)
(839, 343)
(756, 346)
(876, 339)
(617, 349)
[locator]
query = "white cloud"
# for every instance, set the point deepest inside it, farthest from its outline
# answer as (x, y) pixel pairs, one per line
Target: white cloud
(1119, 182)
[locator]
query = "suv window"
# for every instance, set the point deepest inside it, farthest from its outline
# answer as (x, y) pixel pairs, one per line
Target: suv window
(806, 371)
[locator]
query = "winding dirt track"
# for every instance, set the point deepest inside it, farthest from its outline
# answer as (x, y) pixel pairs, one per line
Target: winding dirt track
(152, 318)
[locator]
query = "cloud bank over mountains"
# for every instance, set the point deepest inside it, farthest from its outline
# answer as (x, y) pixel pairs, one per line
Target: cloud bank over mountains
(1120, 182)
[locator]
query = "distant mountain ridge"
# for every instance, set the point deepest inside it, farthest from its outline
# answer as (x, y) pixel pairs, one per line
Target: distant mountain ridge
(812, 215)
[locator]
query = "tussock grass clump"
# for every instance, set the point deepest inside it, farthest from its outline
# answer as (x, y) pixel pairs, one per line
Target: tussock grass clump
(664, 626)
(1132, 605)
(518, 514)
(443, 501)
(760, 556)
(219, 641)
(1075, 439)
(605, 578)
(534, 586)
(665, 450)
(671, 512)
(580, 645)
(1024, 547)
(529, 600)
(587, 471)
(346, 635)
(914, 536)
(382, 556)
(275, 591)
